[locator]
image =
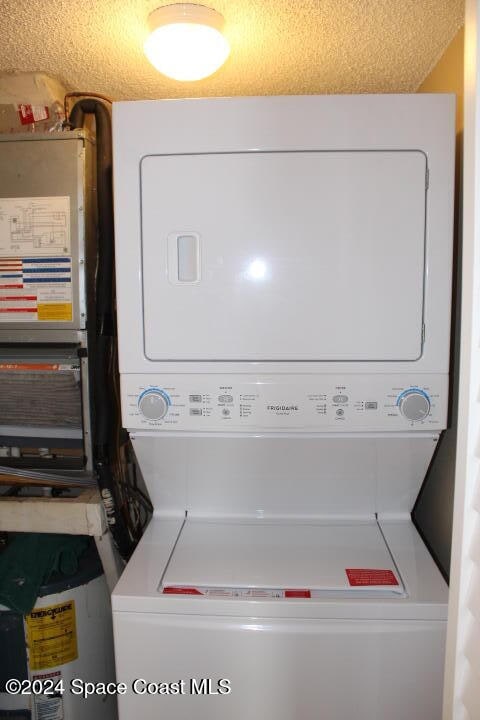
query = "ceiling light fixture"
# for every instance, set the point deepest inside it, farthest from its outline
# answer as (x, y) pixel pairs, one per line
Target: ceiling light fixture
(186, 41)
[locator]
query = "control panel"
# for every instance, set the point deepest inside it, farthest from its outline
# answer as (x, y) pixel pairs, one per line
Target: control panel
(312, 403)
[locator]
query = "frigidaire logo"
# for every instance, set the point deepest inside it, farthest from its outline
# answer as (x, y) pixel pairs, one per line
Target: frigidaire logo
(276, 408)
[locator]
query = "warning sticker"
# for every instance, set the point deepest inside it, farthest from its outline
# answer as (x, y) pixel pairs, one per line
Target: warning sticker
(36, 289)
(248, 593)
(48, 707)
(32, 113)
(52, 635)
(358, 577)
(54, 311)
(35, 226)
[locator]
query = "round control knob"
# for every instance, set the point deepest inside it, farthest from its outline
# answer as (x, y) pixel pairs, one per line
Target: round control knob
(153, 404)
(414, 404)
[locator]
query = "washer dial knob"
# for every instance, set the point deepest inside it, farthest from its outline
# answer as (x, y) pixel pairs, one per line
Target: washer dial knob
(414, 404)
(153, 404)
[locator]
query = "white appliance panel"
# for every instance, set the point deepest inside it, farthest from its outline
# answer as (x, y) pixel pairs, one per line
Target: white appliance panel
(309, 477)
(283, 256)
(279, 126)
(282, 669)
(308, 403)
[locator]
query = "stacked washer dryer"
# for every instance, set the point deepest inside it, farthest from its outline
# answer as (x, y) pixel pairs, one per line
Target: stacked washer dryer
(284, 275)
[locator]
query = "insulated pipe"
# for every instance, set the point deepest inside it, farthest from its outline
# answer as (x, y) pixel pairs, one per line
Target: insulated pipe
(104, 330)
(103, 125)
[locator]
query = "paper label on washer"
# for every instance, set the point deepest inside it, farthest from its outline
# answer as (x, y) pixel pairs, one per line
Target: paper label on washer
(48, 707)
(363, 577)
(246, 593)
(36, 289)
(34, 226)
(52, 635)
(377, 581)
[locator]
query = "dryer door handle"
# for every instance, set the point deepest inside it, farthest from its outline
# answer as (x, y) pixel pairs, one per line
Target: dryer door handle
(184, 258)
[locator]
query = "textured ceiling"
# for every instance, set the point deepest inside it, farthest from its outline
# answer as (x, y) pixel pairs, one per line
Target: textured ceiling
(277, 46)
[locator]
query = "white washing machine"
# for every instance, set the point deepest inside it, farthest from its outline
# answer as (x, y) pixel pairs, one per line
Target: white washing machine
(284, 283)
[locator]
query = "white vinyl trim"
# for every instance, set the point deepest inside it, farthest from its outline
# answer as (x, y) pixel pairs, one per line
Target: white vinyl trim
(462, 672)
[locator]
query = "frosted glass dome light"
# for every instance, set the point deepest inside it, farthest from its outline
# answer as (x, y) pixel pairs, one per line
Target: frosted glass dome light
(186, 41)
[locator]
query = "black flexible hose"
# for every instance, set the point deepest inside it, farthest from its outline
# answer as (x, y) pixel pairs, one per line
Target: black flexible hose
(104, 320)
(103, 125)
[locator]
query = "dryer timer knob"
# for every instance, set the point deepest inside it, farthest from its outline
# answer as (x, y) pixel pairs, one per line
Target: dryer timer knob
(153, 404)
(414, 404)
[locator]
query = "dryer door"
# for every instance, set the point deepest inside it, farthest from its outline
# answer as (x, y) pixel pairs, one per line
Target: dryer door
(284, 255)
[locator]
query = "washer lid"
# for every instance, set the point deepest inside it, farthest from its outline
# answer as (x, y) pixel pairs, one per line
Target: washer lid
(287, 559)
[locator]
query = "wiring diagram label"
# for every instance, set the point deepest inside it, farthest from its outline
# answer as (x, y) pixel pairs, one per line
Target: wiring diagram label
(35, 260)
(34, 226)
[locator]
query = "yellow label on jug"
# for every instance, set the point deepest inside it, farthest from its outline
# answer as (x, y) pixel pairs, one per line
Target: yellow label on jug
(52, 635)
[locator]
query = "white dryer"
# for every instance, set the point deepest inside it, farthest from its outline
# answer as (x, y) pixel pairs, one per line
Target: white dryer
(284, 283)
